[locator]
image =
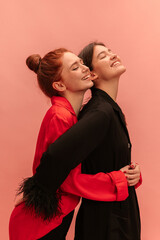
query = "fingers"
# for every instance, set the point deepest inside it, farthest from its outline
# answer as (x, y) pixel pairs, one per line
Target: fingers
(132, 182)
(132, 165)
(131, 169)
(132, 179)
(124, 169)
(134, 171)
(132, 176)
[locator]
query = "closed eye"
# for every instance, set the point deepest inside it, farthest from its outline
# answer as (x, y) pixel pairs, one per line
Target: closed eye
(75, 68)
(102, 55)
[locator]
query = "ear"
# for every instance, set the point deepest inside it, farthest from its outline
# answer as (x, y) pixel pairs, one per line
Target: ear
(94, 76)
(59, 86)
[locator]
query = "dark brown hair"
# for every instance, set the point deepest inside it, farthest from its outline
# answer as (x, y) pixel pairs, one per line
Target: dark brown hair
(86, 53)
(48, 69)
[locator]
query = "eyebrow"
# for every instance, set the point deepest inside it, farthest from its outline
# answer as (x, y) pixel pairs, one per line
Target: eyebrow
(73, 64)
(76, 62)
(100, 53)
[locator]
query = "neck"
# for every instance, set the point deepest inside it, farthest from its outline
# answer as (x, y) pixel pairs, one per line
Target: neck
(110, 87)
(75, 100)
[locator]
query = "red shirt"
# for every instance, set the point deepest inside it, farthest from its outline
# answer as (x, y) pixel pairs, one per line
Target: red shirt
(101, 186)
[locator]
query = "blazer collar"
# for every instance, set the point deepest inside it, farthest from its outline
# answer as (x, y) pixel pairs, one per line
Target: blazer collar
(63, 102)
(106, 97)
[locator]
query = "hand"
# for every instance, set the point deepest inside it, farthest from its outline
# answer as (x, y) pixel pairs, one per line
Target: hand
(132, 173)
(124, 169)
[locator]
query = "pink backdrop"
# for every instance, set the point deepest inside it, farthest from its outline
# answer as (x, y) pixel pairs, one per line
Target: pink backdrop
(131, 29)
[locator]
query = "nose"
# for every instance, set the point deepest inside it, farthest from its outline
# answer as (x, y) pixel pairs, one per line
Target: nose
(84, 68)
(113, 56)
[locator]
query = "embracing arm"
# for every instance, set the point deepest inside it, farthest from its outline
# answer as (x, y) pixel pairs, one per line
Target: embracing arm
(100, 187)
(40, 191)
(70, 149)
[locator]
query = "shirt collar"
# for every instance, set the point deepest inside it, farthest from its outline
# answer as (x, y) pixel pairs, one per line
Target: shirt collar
(63, 102)
(97, 91)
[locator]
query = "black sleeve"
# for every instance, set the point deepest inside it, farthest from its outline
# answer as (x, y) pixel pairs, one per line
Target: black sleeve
(63, 155)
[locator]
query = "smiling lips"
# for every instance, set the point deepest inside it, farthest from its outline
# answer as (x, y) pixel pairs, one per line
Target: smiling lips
(86, 77)
(116, 63)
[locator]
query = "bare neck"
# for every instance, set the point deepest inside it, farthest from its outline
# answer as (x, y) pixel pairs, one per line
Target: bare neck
(110, 87)
(75, 100)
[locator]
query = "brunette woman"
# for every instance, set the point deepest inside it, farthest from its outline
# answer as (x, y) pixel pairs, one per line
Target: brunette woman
(108, 220)
(64, 78)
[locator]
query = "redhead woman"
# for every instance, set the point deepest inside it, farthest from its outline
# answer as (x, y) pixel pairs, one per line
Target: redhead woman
(105, 147)
(47, 214)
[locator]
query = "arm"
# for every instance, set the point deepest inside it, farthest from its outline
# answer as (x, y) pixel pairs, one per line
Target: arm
(40, 191)
(100, 187)
(70, 149)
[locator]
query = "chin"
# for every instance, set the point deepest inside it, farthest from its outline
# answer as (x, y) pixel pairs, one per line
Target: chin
(91, 84)
(121, 70)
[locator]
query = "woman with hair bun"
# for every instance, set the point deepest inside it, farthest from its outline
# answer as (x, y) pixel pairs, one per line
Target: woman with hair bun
(42, 214)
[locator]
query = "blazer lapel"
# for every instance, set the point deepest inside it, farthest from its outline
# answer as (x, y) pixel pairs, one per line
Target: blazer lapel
(115, 107)
(123, 121)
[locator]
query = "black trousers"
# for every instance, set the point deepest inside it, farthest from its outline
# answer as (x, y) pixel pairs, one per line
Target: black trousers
(60, 232)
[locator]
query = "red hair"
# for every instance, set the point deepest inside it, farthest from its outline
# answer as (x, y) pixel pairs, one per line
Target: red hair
(48, 69)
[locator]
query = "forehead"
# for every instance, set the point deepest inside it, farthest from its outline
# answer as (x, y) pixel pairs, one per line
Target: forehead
(69, 58)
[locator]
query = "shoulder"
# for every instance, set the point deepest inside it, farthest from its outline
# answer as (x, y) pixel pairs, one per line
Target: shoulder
(98, 106)
(59, 114)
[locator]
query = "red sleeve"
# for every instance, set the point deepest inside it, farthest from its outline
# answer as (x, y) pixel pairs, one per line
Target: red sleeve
(139, 183)
(101, 186)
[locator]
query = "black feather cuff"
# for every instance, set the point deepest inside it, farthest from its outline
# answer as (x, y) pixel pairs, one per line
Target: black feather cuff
(40, 202)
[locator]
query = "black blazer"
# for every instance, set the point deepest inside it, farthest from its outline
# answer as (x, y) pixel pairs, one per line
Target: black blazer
(114, 150)
(108, 220)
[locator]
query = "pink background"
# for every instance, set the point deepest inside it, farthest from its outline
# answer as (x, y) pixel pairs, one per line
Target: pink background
(131, 29)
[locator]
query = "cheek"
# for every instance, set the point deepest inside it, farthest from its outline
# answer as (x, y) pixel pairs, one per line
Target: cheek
(103, 69)
(103, 65)
(68, 80)
(74, 79)
(76, 75)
